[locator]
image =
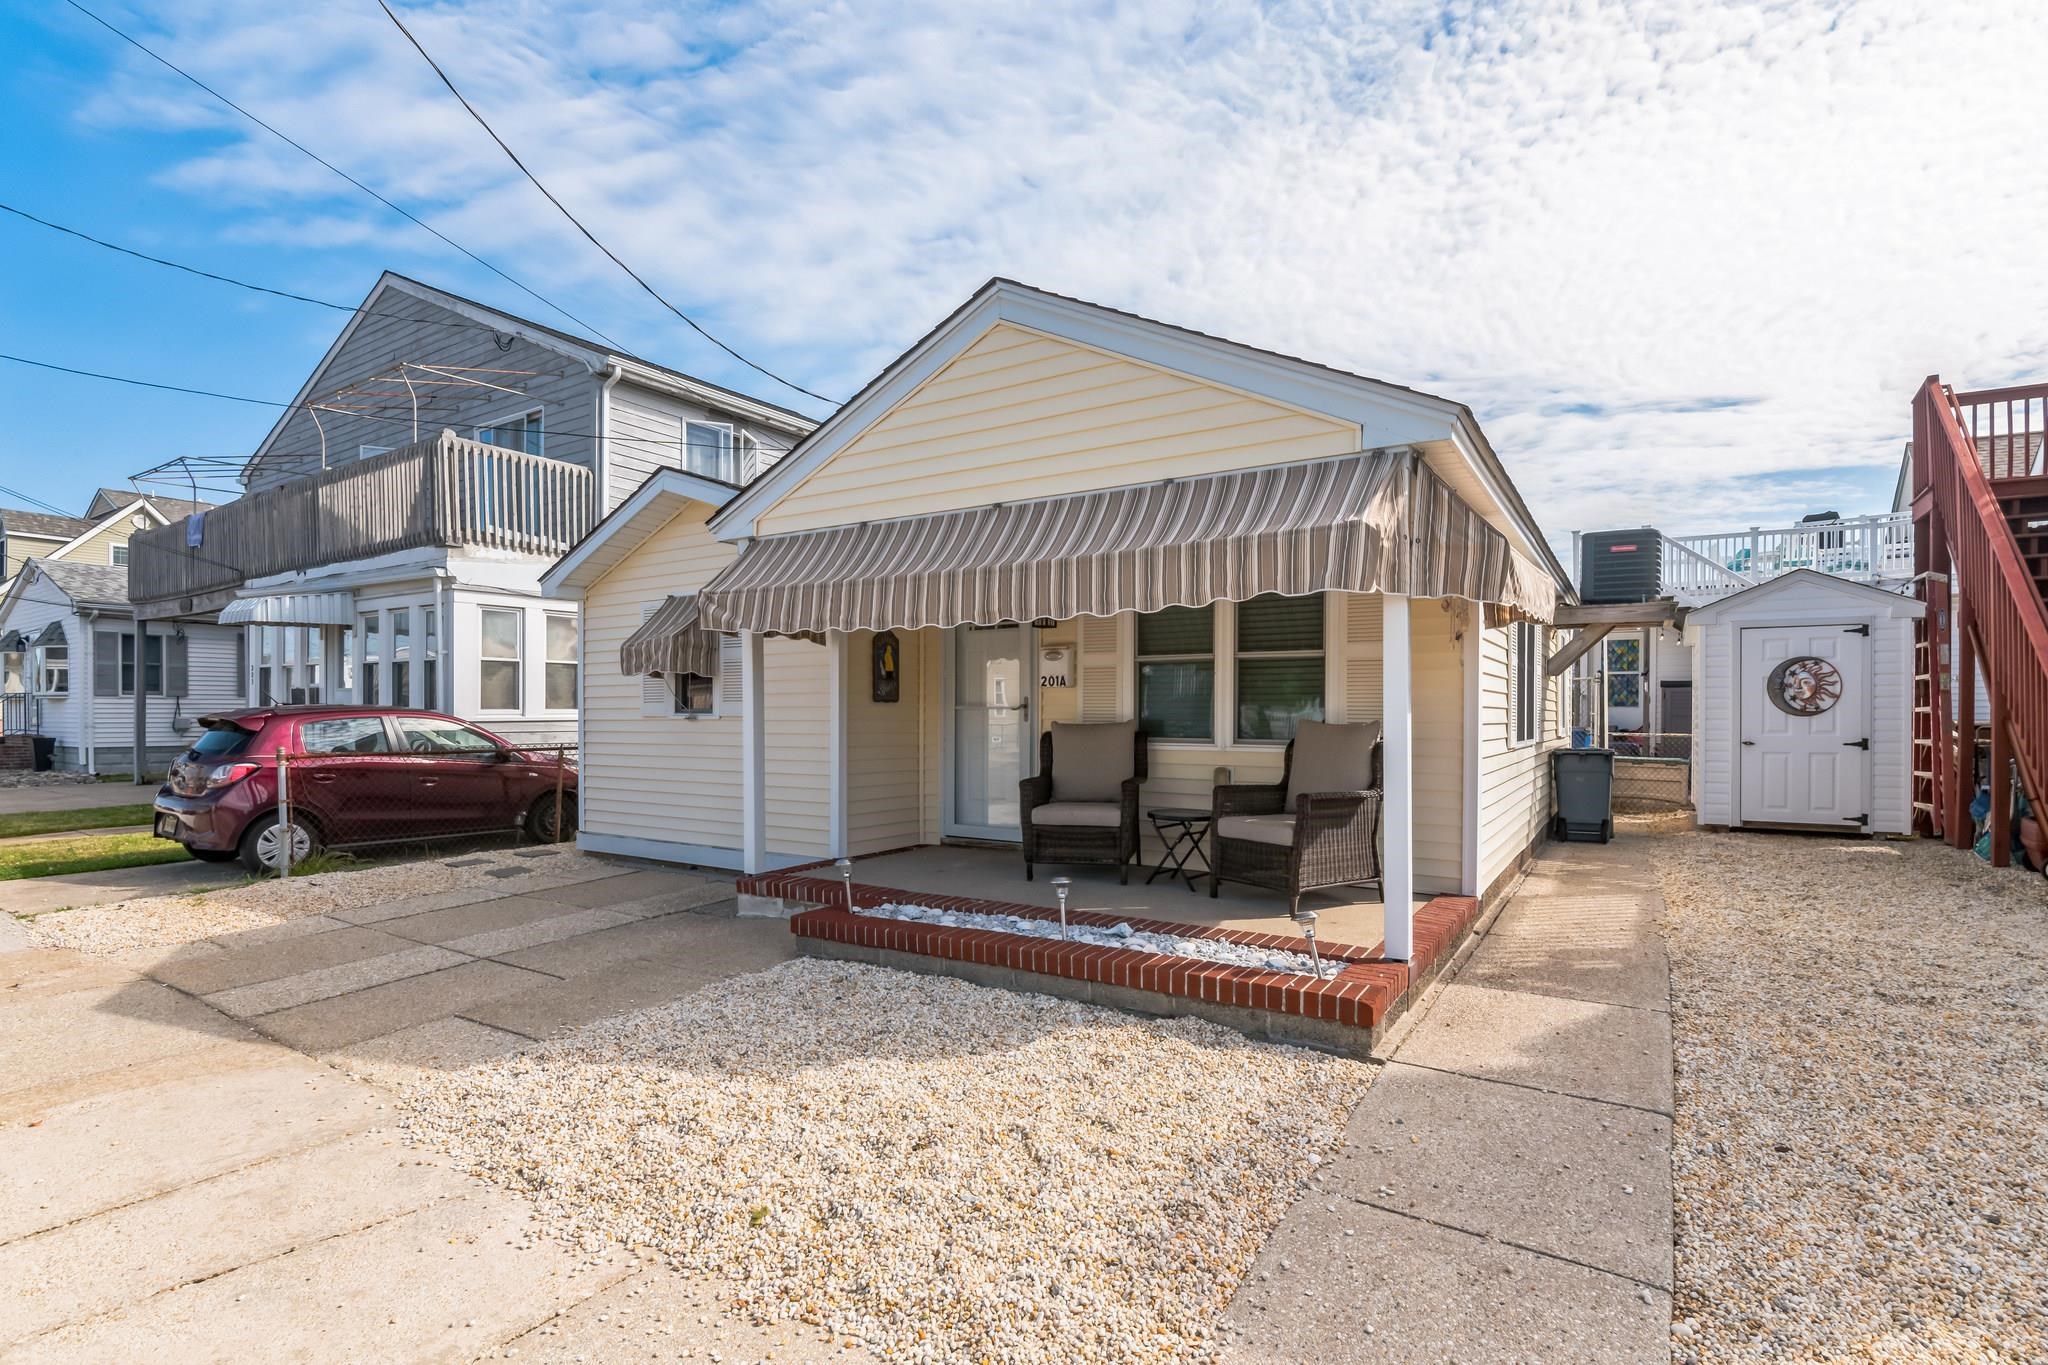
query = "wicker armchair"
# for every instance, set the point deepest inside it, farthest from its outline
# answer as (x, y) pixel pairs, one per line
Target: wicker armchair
(1325, 838)
(1069, 830)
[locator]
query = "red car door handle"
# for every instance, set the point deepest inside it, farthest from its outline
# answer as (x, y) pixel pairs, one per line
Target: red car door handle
(323, 777)
(429, 781)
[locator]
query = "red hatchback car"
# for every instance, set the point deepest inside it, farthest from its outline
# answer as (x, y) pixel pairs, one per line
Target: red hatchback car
(359, 775)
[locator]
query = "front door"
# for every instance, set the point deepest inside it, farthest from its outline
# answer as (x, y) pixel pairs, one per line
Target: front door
(991, 733)
(1804, 709)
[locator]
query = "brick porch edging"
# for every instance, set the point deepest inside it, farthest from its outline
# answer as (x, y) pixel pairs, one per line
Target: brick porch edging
(1362, 995)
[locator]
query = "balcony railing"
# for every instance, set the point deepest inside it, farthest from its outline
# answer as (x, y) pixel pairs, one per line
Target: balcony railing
(1877, 550)
(447, 491)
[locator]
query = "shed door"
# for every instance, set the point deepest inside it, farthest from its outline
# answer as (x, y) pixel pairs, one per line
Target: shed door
(1803, 699)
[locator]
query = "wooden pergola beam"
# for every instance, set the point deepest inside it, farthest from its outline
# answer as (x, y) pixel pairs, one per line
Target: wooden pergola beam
(1593, 621)
(1574, 649)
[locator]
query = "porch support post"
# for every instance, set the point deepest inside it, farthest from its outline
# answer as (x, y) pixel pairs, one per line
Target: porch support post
(1397, 780)
(753, 753)
(836, 672)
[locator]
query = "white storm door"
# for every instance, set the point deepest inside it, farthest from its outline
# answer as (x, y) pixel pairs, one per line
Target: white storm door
(1805, 762)
(990, 733)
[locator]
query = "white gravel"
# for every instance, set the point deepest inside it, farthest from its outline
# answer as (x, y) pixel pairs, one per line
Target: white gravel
(1861, 1140)
(167, 921)
(1116, 936)
(939, 1171)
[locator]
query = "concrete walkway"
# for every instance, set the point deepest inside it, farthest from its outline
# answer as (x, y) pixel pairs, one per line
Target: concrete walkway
(178, 1184)
(74, 796)
(1506, 1190)
(39, 895)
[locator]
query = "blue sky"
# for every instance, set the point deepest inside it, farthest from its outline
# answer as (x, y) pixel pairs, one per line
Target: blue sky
(1687, 264)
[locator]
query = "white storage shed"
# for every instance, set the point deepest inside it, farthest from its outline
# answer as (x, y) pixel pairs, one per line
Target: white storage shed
(1803, 706)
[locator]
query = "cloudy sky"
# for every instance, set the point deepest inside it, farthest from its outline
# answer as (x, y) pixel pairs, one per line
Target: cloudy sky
(1686, 261)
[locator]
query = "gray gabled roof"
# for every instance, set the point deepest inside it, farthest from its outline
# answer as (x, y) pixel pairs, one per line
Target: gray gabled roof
(26, 523)
(87, 582)
(109, 500)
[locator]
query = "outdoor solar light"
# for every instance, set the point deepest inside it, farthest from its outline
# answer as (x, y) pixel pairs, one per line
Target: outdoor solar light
(1061, 884)
(845, 866)
(1306, 918)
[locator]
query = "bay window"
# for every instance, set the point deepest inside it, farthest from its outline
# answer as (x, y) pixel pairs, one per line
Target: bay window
(561, 663)
(498, 665)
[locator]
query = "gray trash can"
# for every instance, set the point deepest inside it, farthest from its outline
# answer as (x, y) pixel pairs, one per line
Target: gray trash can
(1584, 783)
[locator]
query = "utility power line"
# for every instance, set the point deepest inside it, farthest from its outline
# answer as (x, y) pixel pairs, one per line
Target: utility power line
(282, 137)
(591, 237)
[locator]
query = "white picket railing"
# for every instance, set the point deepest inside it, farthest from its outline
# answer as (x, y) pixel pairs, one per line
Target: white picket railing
(1877, 550)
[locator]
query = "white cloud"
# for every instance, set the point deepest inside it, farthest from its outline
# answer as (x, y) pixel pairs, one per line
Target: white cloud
(1687, 262)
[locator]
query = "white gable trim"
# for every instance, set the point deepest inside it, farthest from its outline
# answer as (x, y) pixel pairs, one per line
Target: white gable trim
(104, 522)
(1889, 603)
(608, 544)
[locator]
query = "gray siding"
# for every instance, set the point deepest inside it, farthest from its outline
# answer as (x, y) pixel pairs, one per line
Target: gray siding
(646, 434)
(562, 387)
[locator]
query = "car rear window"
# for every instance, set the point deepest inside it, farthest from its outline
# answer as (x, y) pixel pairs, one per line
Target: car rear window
(222, 742)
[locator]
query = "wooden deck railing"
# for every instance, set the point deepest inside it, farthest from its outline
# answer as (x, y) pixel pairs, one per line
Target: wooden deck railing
(446, 491)
(1964, 444)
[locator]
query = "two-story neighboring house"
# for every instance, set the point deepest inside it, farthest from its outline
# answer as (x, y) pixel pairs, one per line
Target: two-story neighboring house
(67, 644)
(399, 515)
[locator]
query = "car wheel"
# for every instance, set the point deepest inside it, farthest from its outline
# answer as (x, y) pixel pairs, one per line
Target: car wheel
(263, 843)
(540, 821)
(214, 855)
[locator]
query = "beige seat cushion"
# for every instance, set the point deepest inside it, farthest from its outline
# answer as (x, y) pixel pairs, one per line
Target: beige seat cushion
(1101, 814)
(1091, 762)
(1259, 829)
(1331, 758)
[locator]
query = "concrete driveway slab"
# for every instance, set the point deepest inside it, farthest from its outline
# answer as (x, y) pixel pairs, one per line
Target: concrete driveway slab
(480, 917)
(715, 947)
(138, 1143)
(511, 937)
(469, 1281)
(713, 897)
(402, 1058)
(86, 1268)
(1583, 1181)
(1574, 1047)
(245, 964)
(618, 989)
(417, 905)
(41, 973)
(633, 886)
(325, 983)
(110, 1025)
(73, 796)
(1636, 974)
(1363, 1284)
(328, 1024)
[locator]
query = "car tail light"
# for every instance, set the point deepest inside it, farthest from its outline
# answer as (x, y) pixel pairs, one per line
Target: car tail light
(227, 774)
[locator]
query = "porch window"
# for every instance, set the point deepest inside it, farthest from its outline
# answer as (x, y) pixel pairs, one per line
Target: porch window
(1177, 673)
(53, 668)
(707, 450)
(241, 683)
(1279, 665)
(498, 669)
(373, 654)
(561, 663)
(1526, 657)
(430, 658)
(401, 656)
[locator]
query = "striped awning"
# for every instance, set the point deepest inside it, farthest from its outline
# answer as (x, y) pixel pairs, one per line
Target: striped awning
(671, 641)
(1379, 521)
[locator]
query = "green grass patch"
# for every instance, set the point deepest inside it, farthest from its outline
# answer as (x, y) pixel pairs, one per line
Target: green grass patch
(57, 821)
(93, 853)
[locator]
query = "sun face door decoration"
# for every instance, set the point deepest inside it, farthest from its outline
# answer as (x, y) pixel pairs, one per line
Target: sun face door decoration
(1804, 686)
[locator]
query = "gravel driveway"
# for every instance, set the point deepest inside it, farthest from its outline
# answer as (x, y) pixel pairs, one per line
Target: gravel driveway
(934, 1169)
(1861, 1137)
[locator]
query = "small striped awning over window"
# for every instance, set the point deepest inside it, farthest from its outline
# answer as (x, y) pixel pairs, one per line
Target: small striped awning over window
(1380, 521)
(670, 642)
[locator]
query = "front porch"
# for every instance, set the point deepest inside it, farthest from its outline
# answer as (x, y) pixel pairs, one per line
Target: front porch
(1347, 1010)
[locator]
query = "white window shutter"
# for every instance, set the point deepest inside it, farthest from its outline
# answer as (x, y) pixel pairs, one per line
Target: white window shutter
(655, 697)
(1100, 656)
(731, 694)
(1358, 673)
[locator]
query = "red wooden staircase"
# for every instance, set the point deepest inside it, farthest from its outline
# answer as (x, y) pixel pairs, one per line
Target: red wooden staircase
(1980, 515)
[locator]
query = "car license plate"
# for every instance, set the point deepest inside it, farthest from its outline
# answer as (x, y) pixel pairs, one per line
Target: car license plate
(166, 826)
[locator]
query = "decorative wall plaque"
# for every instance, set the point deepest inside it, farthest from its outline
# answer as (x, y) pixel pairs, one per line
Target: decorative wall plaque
(1804, 686)
(888, 667)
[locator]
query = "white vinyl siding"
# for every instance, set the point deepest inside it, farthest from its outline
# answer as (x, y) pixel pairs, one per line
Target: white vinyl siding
(884, 776)
(644, 432)
(1022, 415)
(1514, 778)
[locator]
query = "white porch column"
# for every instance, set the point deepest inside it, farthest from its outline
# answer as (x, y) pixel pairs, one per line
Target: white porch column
(835, 645)
(1397, 779)
(753, 753)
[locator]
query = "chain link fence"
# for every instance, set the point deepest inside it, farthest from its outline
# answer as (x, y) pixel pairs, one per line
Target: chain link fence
(442, 789)
(1652, 771)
